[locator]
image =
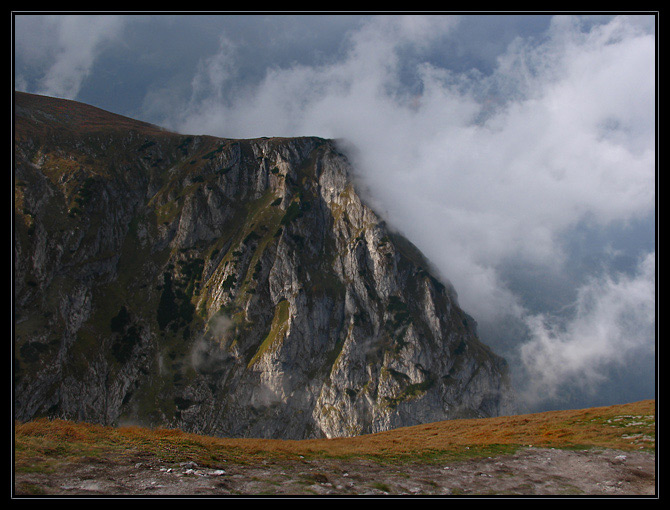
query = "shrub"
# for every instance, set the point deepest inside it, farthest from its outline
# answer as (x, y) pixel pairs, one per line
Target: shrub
(292, 213)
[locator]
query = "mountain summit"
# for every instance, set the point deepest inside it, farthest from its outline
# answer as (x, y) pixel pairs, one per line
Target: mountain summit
(236, 288)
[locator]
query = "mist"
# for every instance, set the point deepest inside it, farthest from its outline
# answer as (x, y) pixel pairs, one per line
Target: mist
(522, 165)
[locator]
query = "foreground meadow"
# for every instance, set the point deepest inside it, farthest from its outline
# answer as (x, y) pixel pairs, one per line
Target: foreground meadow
(604, 450)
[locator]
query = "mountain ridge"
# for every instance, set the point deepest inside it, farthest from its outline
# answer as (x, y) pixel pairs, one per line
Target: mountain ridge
(234, 287)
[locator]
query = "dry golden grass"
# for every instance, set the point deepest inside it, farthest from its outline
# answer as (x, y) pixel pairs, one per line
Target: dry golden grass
(42, 443)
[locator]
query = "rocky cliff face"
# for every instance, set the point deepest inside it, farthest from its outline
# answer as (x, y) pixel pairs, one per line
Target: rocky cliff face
(227, 287)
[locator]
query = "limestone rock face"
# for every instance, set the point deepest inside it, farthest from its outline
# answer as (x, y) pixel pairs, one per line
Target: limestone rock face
(238, 288)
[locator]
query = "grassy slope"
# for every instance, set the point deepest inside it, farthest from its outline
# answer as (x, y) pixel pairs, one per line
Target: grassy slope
(35, 114)
(42, 445)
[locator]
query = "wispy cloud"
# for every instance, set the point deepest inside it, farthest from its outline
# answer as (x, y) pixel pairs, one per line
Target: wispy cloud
(70, 43)
(612, 323)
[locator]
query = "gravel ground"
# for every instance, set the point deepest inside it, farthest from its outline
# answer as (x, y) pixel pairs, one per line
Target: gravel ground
(530, 471)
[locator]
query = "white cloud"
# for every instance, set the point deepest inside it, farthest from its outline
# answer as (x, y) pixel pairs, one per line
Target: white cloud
(71, 44)
(214, 73)
(613, 322)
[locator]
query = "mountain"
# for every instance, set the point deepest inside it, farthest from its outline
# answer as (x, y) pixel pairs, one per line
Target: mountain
(235, 288)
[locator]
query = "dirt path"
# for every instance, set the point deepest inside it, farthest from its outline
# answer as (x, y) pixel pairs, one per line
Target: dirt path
(531, 471)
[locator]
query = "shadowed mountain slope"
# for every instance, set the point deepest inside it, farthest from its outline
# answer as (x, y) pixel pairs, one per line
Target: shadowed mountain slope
(236, 288)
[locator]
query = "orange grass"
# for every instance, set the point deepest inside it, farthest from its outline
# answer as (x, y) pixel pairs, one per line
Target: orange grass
(625, 427)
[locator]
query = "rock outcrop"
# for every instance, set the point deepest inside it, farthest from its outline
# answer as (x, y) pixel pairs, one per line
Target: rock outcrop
(237, 288)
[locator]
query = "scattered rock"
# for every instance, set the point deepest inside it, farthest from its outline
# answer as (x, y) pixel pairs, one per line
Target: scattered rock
(523, 473)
